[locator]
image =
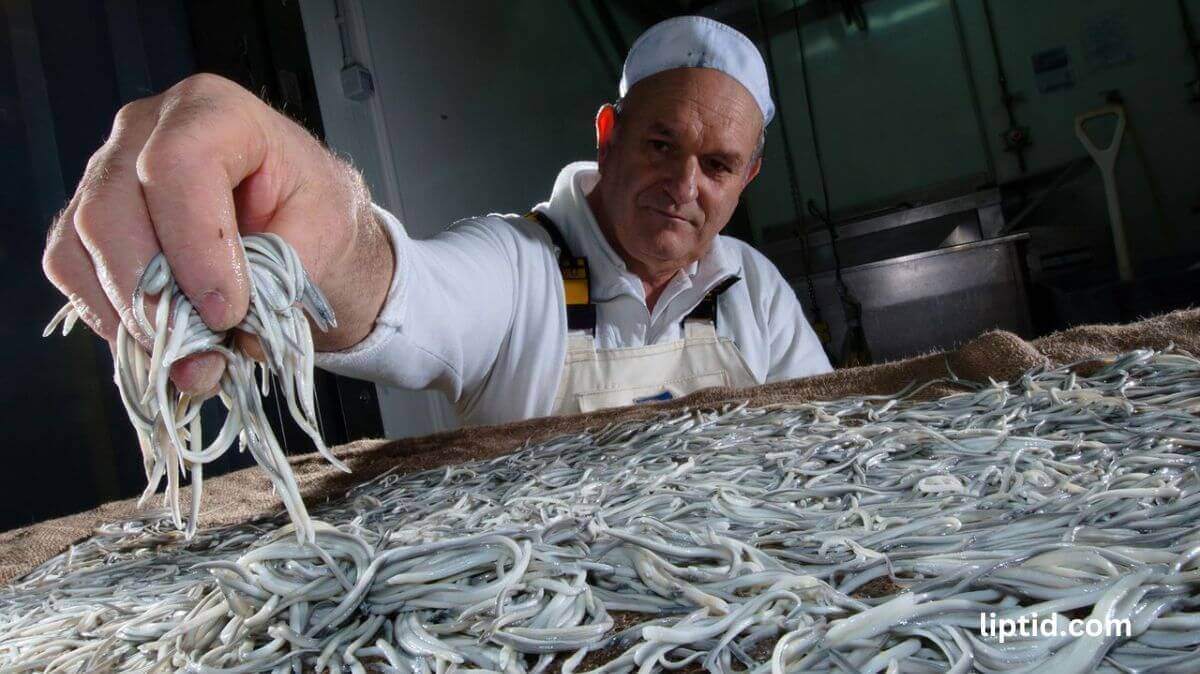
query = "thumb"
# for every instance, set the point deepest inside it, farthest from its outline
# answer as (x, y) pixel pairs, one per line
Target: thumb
(198, 374)
(256, 200)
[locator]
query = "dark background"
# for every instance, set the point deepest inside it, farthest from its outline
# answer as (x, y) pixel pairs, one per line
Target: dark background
(68, 444)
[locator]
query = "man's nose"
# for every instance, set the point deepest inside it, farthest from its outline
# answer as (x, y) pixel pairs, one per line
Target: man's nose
(680, 184)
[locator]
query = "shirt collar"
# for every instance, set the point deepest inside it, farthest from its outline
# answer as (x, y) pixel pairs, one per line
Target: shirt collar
(569, 209)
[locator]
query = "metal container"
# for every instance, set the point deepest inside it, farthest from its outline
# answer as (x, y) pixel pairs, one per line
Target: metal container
(930, 300)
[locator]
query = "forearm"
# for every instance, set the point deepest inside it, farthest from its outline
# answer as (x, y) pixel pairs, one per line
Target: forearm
(447, 309)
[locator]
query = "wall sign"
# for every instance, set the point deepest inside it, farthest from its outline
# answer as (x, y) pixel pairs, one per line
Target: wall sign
(1052, 70)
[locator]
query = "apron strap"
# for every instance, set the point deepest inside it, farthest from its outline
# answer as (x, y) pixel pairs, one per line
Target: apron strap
(702, 330)
(581, 313)
(706, 310)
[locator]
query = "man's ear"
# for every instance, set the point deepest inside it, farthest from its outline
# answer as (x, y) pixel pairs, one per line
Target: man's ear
(606, 121)
(754, 169)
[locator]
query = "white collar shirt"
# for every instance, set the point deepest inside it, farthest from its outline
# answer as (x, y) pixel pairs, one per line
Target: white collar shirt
(478, 312)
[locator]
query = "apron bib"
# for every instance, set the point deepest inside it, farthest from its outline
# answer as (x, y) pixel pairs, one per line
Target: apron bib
(595, 379)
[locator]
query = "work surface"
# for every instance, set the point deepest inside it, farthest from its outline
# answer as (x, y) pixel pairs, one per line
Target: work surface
(744, 511)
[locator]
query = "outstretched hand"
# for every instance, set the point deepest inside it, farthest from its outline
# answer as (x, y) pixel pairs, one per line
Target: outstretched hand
(185, 172)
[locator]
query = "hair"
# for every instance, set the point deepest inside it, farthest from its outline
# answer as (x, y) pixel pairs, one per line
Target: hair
(759, 148)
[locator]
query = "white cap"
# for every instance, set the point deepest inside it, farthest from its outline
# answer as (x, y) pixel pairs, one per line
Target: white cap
(699, 42)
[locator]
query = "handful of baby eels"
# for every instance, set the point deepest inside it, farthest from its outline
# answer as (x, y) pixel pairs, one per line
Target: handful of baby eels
(168, 421)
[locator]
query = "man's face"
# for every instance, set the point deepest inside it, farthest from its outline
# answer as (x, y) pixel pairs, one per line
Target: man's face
(674, 166)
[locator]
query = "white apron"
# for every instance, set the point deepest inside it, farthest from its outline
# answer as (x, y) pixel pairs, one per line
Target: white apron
(595, 379)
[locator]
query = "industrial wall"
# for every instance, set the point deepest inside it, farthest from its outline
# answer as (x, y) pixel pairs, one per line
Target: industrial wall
(912, 106)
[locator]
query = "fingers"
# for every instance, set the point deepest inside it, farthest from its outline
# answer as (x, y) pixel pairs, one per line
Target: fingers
(67, 264)
(111, 220)
(113, 225)
(206, 141)
(250, 345)
(101, 244)
(198, 374)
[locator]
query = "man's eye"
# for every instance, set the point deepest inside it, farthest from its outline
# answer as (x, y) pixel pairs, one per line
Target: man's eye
(660, 145)
(717, 167)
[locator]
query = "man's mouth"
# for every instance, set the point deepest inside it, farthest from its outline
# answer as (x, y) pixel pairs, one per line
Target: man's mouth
(670, 216)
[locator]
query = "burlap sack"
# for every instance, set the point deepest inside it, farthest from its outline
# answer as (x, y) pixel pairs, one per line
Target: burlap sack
(246, 494)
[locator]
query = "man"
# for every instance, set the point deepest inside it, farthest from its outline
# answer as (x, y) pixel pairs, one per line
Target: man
(617, 290)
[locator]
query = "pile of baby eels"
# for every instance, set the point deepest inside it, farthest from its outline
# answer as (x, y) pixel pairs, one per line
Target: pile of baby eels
(865, 534)
(167, 420)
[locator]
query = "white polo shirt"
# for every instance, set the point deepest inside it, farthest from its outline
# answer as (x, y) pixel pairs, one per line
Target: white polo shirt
(477, 311)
